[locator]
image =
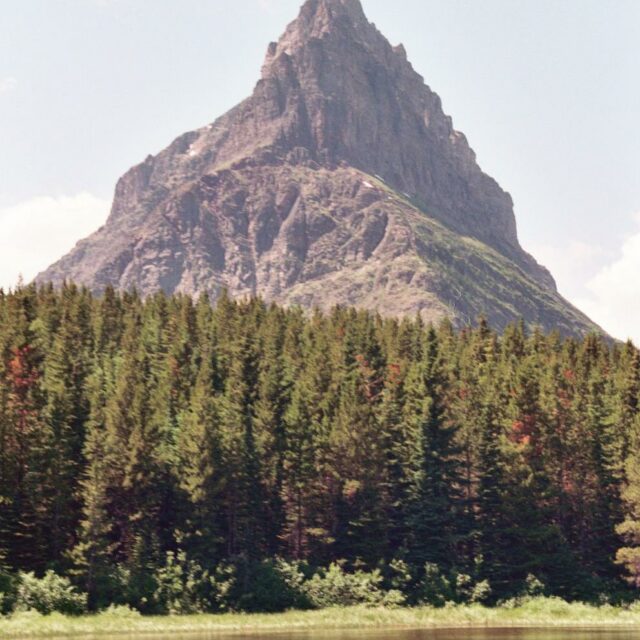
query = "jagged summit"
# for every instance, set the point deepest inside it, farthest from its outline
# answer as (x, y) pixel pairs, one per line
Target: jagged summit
(319, 16)
(331, 10)
(339, 180)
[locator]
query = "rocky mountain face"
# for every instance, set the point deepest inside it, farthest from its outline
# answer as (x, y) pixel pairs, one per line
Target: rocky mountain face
(340, 180)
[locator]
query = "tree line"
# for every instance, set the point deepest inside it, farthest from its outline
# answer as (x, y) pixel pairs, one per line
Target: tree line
(144, 437)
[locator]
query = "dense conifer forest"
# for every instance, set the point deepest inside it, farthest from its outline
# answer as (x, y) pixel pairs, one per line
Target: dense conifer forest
(177, 456)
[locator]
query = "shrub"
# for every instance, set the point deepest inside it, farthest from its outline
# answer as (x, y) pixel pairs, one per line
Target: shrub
(48, 594)
(273, 586)
(131, 587)
(434, 588)
(398, 576)
(437, 589)
(634, 607)
(183, 586)
(222, 580)
(534, 587)
(468, 591)
(121, 612)
(335, 587)
(531, 589)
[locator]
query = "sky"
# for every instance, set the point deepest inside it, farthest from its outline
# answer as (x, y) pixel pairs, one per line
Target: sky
(546, 91)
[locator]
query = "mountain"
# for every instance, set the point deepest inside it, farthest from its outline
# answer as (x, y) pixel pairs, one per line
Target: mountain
(340, 180)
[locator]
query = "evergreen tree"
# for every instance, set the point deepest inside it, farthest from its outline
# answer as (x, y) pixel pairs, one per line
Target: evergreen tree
(494, 542)
(628, 556)
(436, 482)
(308, 517)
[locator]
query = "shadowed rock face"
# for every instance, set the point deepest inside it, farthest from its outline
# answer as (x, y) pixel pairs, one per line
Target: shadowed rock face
(340, 180)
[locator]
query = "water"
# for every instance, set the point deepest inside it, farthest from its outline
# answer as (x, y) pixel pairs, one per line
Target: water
(430, 634)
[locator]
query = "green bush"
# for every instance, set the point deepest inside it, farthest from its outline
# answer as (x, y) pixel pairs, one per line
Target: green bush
(335, 587)
(531, 589)
(222, 580)
(132, 587)
(468, 591)
(183, 586)
(398, 576)
(437, 589)
(120, 612)
(273, 586)
(534, 587)
(48, 594)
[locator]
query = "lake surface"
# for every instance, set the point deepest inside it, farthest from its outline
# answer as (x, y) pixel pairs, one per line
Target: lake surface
(430, 634)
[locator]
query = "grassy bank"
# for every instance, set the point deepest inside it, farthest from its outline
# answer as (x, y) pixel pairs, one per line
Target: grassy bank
(540, 612)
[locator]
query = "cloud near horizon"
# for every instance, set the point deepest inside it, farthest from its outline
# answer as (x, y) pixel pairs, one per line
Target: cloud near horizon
(613, 294)
(603, 284)
(38, 231)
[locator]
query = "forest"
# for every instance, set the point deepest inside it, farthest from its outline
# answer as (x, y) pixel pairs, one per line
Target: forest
(177, 456)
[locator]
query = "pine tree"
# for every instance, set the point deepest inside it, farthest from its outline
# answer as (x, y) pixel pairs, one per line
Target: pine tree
(436, 483)
(399, 443)
(199, 474)
(134, 455)
(356, 446)
(272, 397)
(629, 530)
(245, 496)
(66, 368)
(538, 546)
(494, 544)
(24, 450)
(308, 519)
(93, 556)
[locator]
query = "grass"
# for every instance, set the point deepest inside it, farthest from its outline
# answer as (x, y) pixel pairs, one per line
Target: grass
(538, 612)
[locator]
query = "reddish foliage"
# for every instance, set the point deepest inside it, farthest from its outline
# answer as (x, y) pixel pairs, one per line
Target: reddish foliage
(523, 431)
(568, 483)
(394, 374)
(372, 386)
(22, 376)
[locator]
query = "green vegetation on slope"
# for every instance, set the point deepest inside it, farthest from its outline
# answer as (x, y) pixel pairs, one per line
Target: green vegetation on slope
(472, 276)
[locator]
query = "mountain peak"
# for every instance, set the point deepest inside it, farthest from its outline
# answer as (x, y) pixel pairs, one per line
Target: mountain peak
(327, 11)
(316, 19)
(353, 8)
(340, 180)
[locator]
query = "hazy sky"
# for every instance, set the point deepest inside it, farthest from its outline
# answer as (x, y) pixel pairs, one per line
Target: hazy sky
(547, 91)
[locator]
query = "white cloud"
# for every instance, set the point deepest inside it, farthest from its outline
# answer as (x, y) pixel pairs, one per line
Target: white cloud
(36, 232)
(571, 265)
(603, 284)
(613, 294)
(8, 84)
